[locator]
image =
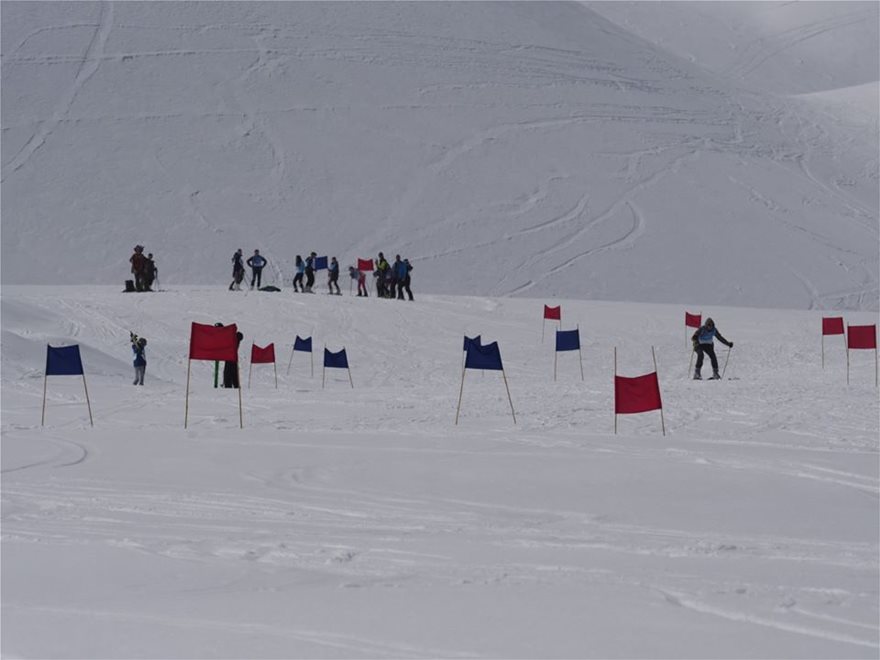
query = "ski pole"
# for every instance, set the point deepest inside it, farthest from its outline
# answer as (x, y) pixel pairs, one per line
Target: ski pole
(726, 360)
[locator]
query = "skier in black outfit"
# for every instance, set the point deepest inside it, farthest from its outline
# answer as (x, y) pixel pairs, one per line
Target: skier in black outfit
(310, 271)
(703, 343)
(237, 271)
(298, 278)
(333, 277)
(230, 369)
(256, 262)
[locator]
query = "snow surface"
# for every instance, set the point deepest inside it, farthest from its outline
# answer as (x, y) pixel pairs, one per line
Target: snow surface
(361, 522)
(509, 149)
(628, 161)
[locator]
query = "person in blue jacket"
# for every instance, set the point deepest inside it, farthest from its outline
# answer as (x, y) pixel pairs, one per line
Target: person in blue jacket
(138, 347)
(401, 277)
(704, 344)
(298, 278)
(257, 262)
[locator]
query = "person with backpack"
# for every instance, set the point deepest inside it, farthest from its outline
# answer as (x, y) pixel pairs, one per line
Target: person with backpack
(333, 277)
(298, 278)
(703, 344)
(138, 267)
(237, 270)
(257, 262)
(310, 271)
(138, 347)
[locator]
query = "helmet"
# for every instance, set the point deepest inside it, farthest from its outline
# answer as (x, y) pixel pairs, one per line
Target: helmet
(710, 322)
(142, 342)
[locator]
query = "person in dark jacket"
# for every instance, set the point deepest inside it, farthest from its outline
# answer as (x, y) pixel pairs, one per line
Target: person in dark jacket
(333, 276)
(298, 278)
(257, 262)
(400, 272)
(150, 272)
(310, 271)
(138, 267)
(237, 270)
(407, 267)
(381, 275)
(138, 347)
(703, 344)
(230, 369)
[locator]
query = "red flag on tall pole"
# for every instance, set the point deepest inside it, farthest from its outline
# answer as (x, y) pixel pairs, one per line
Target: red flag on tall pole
(831, 325)
(210, 342)
(552, 314)
(263, 355)
(861, 337)
(637, 394)
(691, 321)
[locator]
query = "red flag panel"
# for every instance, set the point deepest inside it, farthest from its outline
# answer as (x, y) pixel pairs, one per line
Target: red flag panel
(861, 336)
(832, 325)
(693, 320)
(553, 313)
(207, 342)
(262, 355)
(365, 265)
(636, 395)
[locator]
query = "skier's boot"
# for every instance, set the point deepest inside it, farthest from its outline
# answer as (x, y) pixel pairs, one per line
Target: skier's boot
(715, 375)
(697, 375)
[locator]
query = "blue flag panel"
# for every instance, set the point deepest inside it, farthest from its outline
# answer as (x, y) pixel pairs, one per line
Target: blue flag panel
(568, 340)
(63, 361)
(337, 360)
(303, 344)
(469, 340)
(483, 357)
(320, 263)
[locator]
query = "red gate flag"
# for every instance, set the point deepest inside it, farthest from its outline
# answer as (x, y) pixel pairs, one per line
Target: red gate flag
(365, 264)
(207, 342)
(636, 395)
(262, 355)
(861, 336)
(693, 320)
(832, 325)
(553, 313)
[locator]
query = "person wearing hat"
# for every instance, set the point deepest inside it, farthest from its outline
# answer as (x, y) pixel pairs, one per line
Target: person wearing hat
(333, 277)
(138, 267)
(703, 340)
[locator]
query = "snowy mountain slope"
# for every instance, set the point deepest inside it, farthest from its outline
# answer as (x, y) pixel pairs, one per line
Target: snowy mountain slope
(506, 148)
(777, 47)
(353, 522)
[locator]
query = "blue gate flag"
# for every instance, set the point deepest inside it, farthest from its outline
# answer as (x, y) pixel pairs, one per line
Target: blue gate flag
(483, 357)
(471, 340)
(320, 263)
(568, 340)
(338, 360)
(63, 361)
(304, 345)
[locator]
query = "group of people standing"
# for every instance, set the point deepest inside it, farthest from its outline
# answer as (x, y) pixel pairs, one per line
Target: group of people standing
(391, 279)
(144, 270)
